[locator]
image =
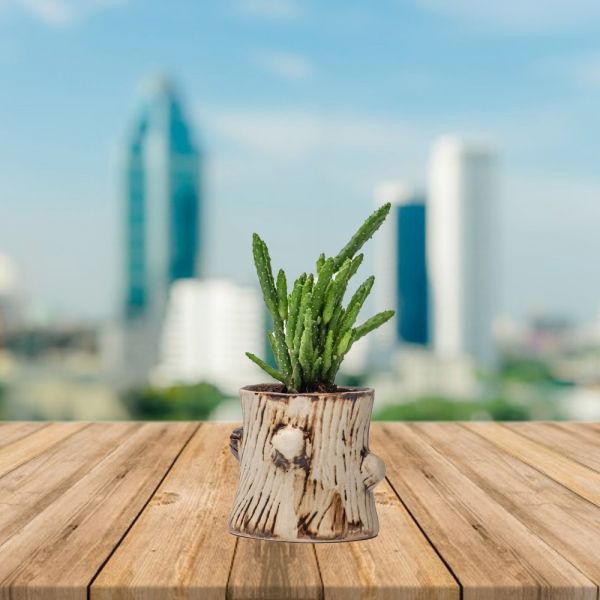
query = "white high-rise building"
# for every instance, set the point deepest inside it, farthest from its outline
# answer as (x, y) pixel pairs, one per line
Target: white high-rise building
(461, 248)
(209, 326)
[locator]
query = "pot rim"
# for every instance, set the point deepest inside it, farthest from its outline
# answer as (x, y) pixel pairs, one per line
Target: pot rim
(259, 388)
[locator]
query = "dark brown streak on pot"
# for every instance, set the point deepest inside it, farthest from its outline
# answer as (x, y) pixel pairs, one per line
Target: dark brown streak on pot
(248, 517)
(278, 428)
(324, 514)
(280, 461)
(303, 525)
(339, 514)
(234, 441)
(274, 521)
(257, 522)
(303, 463)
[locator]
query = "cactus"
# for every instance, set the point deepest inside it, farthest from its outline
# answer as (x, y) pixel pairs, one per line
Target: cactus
(312, 331)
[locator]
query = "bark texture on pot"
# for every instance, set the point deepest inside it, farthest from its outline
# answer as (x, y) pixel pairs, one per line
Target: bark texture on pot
(306, 472)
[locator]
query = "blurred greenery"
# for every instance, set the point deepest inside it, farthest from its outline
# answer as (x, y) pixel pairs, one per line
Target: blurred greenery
(433, 408)
(522, 389)
(526, 370)
(347, 380)
(179, 402)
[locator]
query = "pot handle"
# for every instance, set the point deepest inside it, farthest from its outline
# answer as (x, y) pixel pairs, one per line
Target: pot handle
(234, 441)
(373, 470)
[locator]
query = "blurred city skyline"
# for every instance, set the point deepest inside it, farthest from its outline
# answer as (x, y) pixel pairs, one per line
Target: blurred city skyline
(300, 110)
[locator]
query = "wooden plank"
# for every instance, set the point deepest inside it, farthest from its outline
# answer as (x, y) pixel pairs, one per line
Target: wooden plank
(398, 564)
(179, 546)
(567, 522)
(274, 571)
(579, 478)
(11, 432)
(492, 554)
(36, 484)
(577, 441)
(27, 447)
(60, 549)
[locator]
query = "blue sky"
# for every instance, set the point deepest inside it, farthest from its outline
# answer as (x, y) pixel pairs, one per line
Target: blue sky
(301, 109)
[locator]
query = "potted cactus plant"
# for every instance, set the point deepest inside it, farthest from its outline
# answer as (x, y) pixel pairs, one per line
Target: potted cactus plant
(306, 472)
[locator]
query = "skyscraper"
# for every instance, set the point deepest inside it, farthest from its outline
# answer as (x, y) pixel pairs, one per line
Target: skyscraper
(461, 248)
(162, 217)
(401, 265)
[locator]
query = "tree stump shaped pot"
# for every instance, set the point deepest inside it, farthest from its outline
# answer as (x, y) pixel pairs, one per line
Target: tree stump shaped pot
(306, 472)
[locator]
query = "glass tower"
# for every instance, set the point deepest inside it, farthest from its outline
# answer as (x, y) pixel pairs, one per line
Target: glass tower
(412, 324)
(162, 199)
(162, 233)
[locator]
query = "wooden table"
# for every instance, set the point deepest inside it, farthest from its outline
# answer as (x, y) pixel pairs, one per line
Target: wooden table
(138, 510)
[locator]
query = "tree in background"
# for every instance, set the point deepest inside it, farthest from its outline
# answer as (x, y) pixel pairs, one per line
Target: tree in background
(432, 408)
(178, 402)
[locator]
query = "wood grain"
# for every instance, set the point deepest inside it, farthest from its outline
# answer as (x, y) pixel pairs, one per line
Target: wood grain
(577, 477)
(33, 486)
(492, 553)
(179, 547)
(564, 520)
(139, 511)
(398, 564)
(274, 571)
(11, 432)
(26, 447)
(578, 441)
(58, 551)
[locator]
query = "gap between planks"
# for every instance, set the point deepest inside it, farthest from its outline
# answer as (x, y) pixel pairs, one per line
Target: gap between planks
(399, 562)
(574, 476)
(12, 431)
(484, 527)
(142, 509)
(546, 523)
(93, 511)
(580, 442)
(426, 536)
(35, 443)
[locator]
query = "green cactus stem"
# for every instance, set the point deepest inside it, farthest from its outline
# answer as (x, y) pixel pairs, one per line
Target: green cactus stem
(312, 331)
(364, 233)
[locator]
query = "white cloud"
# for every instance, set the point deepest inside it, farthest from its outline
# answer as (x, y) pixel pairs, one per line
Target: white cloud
(60, 12)
(519, 15)
(285, 65)
(284, 134)
(350, 150)
(270, 9)
(289, 133)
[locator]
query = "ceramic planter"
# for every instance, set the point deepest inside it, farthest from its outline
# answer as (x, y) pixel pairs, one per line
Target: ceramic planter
(306, 472)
